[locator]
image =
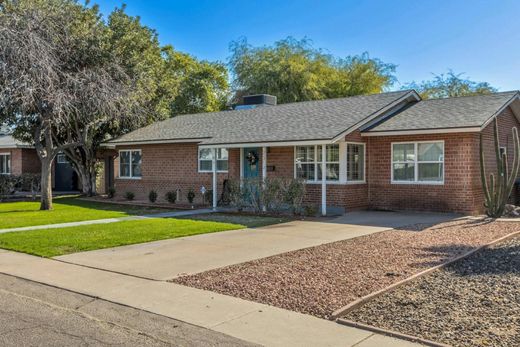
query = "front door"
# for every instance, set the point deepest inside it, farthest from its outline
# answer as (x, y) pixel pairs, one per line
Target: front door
(251, 163)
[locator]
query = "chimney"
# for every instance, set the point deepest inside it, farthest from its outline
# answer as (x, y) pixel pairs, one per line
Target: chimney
(258, 100)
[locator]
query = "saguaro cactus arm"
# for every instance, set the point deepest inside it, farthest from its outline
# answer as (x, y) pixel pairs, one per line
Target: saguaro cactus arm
(497, 192)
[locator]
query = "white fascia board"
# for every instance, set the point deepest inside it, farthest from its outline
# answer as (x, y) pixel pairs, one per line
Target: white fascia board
(411, 94)
(514, 102)
(268, 144)
(17, 146)
(151, 142)
(423, 131)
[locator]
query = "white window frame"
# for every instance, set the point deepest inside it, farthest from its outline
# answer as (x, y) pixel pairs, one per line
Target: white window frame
(316, 162)
(206, 171)
(416, 163)
(131, 177)
(8, 155)
(60, 160)
(362, 181)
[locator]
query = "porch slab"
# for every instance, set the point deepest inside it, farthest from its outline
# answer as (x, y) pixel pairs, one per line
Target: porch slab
(167, 259)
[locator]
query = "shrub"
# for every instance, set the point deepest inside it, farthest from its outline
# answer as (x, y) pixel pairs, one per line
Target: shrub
(310, 210)
(252, 193)
(294, 194)
(6, 186)
(111, 192)
(171, 197)
(129, 196)
(273, 194)
(152, 196)
(191, 195)
(208, 196)
(235, 194)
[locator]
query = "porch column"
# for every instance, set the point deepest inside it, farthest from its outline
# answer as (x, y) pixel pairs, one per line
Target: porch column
(323, 180)
(264, 171)
(215, 187)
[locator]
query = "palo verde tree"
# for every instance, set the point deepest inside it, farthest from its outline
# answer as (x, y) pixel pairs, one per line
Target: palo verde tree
(450, 85)
(499, 187)
(57, 83)
(294, 70)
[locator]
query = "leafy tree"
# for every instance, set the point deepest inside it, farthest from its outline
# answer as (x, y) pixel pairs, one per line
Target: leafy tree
(295, 71)
(199, 86)
(57, 82)
(450, 85)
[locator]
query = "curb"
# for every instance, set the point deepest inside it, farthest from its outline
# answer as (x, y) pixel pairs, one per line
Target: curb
(361, 301)
(390, 333)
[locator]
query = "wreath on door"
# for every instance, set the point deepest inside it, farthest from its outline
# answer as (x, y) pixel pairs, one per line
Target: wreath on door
(252, 158)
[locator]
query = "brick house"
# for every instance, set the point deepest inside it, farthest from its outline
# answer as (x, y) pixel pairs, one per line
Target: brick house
(384, 151)
(17, 158)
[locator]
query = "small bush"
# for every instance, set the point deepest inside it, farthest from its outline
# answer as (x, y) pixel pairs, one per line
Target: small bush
(129, 196)
(208, 196)
(111, 192)
(6, 186)
(310, 210)
(171, 197)
(152, 196)
(294, 194)
(191, 195)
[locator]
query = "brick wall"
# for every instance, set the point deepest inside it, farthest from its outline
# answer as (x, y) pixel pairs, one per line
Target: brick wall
(462, 189)
(168, 167)
(30, 161)
(506, 121)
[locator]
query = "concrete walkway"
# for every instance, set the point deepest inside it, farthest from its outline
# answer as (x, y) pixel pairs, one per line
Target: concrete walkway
(253, 322)
(166, 259)
(109, 220)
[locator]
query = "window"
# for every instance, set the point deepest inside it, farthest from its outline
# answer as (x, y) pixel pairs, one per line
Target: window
(206, 159)
(130, 164)
(503, 150)
(418, 162)
(5, 164)
(308, 160)
(62, 159)
(355, 162)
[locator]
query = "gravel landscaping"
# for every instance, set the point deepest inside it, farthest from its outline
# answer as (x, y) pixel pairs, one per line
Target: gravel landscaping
(472, 302)
(321, 279)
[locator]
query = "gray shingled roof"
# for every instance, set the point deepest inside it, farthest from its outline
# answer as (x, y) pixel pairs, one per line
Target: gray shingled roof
(459, 112)
(310, 120)
(7, 141)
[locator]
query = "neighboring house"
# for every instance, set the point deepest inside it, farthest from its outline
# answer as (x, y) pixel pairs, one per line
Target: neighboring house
(384, 151)
(17, 158)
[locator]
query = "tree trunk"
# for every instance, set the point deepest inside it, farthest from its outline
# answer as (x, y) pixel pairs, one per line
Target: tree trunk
(46, 185)
(87, 175)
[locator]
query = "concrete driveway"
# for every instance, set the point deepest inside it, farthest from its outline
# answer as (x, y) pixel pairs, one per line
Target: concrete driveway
(162, 260)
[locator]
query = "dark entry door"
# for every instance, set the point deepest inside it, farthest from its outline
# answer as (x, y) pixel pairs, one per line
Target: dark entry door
(65, 176)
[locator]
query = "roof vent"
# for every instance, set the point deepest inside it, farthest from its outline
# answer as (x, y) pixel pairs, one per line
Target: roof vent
(258, 100)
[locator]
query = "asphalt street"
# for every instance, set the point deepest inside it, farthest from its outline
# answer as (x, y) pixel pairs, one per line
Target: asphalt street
(32, 314)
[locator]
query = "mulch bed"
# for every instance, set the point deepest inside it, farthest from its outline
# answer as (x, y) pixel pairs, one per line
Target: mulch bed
(321, 279)
(472, 302)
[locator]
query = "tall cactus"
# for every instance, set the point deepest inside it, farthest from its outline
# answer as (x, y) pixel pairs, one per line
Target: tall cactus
(497, 192)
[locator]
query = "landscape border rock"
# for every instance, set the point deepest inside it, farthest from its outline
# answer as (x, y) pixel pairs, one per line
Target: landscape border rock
(390, 333)
(363, 300)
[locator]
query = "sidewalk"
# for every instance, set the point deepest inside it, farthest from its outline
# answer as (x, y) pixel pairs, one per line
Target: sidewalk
(109, 220)
(246, 320)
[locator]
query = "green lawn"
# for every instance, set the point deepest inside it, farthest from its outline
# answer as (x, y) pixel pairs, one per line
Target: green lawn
(66, 209)
(249, 221)
(54, 242)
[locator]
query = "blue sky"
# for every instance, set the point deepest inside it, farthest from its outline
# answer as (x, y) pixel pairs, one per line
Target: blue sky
(479, 38)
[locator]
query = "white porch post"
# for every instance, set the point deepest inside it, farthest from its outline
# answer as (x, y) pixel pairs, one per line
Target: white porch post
(264, 171)
(215, 187)
(323, 180)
